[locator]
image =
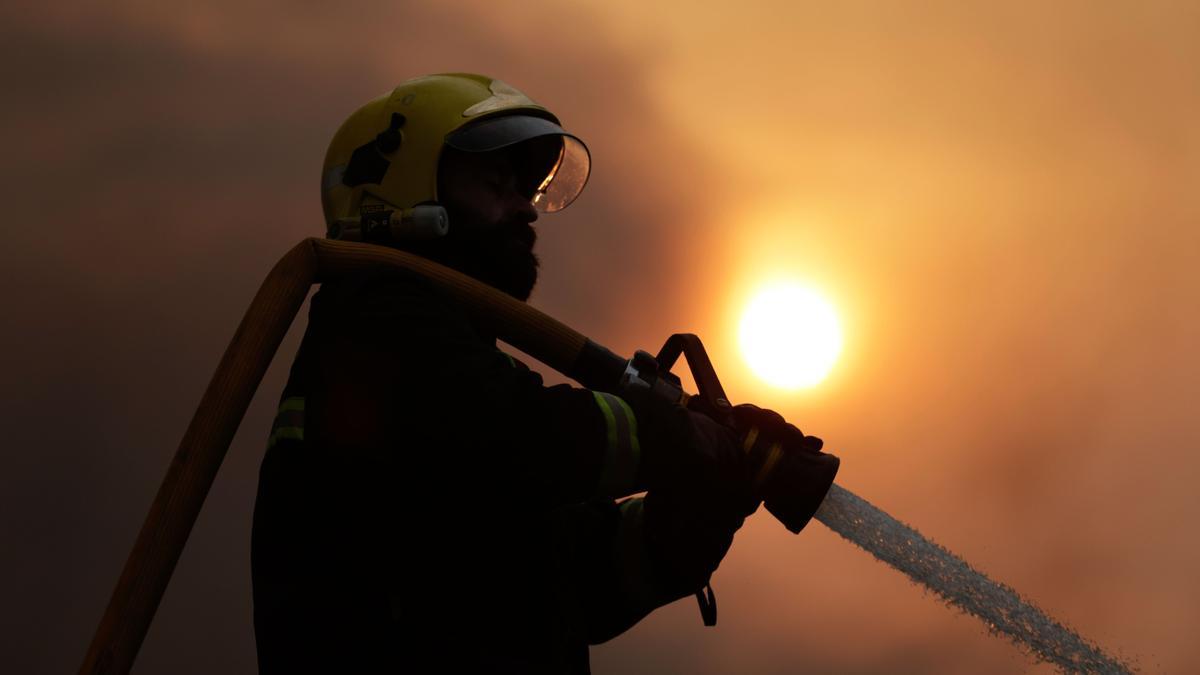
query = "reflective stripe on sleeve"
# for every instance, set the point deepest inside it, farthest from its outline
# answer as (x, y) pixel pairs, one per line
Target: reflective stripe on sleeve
(289, 421)
(622, 453)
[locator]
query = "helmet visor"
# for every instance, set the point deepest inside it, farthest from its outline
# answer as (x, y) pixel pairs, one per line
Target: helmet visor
(560, 175)
(566, 178)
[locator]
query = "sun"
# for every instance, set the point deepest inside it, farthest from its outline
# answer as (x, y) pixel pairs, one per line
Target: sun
(790, 336)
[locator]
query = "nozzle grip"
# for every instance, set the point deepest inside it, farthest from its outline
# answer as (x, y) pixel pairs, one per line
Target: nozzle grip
(797, 485)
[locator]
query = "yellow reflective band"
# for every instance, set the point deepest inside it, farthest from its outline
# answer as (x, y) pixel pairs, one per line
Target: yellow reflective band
(289, 421)
(293, 433)
(610, 422)
(623, 451)
(633, 435)
(750, 438)
(293, 403)
(773, 455)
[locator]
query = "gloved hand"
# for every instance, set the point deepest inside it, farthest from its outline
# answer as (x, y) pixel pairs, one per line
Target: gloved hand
(698, 482)
(787, 468)
(683, 450)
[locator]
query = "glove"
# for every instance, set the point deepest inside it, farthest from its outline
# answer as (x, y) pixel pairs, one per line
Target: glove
(787, 468)
(687, 452)
(698, 485)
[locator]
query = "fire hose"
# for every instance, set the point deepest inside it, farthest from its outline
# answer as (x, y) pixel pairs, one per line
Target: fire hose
(190, 475)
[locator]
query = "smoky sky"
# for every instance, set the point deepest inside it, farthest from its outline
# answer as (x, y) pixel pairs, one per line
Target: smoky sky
(1001, 203)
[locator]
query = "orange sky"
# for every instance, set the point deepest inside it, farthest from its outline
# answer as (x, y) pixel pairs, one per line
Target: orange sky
(1000, 200)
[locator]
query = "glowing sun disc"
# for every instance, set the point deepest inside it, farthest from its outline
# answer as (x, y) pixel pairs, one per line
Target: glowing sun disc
(790, 336)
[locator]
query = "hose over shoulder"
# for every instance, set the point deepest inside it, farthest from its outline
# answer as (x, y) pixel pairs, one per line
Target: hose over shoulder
(533, 332)
(190, 475)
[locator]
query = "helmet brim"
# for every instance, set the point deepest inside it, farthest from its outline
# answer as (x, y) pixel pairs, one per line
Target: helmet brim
(494, 133)
(568, 173)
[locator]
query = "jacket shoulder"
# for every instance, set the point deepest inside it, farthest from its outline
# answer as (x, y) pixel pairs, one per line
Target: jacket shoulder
(381, 294)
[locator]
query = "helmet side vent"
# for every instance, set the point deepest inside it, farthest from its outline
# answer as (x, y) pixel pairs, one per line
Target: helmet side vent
(368, 163)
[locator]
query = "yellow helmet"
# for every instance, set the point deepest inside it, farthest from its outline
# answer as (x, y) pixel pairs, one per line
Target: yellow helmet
(380, 172)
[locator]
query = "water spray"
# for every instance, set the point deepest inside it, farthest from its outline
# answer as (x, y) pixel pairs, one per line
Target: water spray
(962, 586)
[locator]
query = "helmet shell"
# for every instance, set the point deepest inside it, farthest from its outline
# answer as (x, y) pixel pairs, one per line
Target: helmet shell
(430, 109)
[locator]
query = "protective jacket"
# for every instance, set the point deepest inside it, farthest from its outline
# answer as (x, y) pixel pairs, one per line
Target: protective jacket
(426, 504)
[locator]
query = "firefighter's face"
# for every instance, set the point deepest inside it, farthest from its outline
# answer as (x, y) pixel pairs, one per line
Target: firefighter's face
(486, 191)
(491, 214)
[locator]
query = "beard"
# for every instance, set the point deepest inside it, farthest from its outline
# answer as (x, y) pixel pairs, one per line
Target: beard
(501, 257)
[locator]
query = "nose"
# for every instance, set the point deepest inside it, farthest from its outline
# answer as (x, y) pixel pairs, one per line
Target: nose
(522, 208)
